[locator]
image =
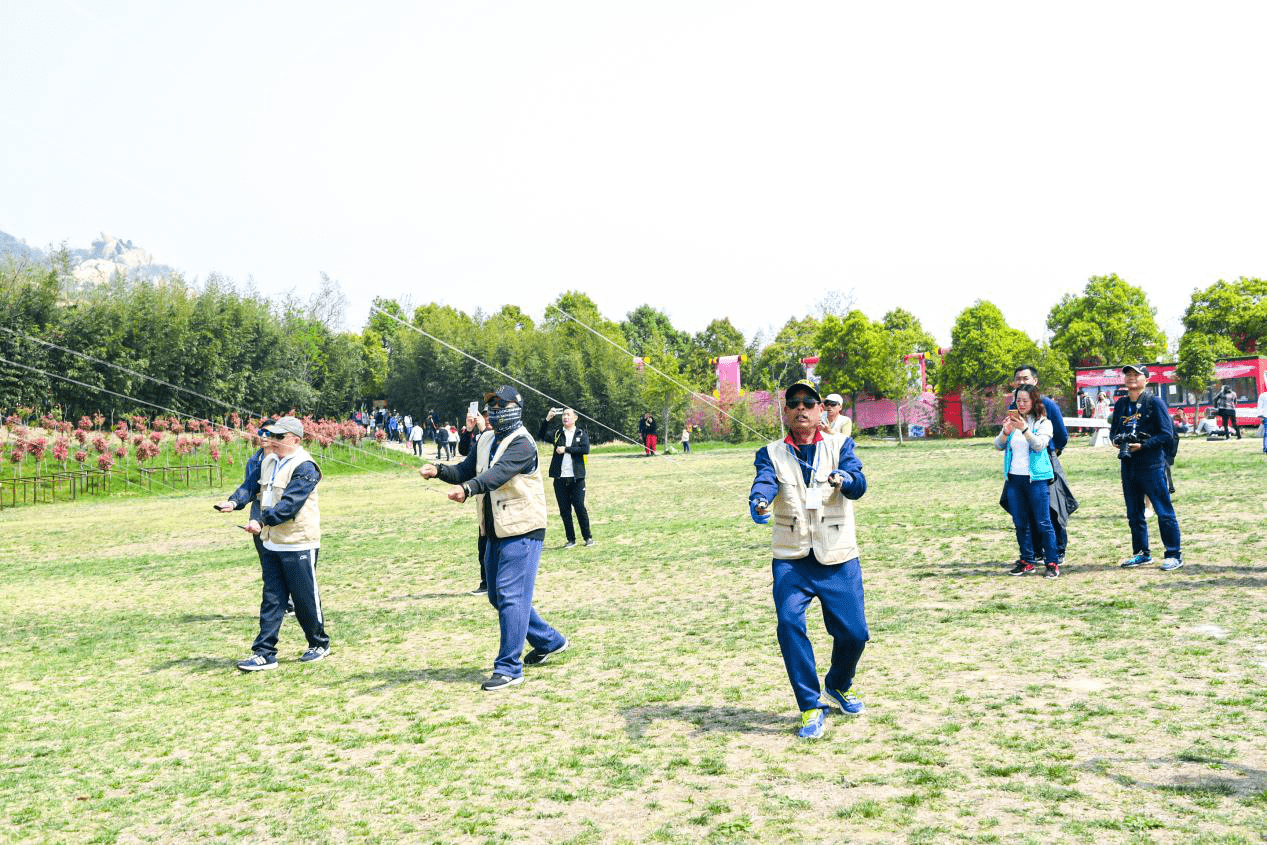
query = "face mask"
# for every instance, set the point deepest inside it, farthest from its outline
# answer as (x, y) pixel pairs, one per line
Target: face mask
(505, 420)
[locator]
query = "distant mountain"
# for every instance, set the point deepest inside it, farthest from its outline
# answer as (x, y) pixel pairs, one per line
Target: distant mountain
(98, 264)
(10, 245)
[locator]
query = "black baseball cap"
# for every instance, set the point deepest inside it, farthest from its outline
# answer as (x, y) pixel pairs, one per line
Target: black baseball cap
(506, 393)
(803, 384)
(1139, 368)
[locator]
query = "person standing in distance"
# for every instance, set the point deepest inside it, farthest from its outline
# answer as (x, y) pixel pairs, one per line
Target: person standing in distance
(1225, 402)
(1061, 499)
(1142, 424)
(808, 482)
(289, 528)
(834, 422)
(503, 476)
(647, 428)
(567, 468)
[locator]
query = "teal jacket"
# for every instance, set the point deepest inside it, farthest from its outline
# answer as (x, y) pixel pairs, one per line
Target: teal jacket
(1039, 461)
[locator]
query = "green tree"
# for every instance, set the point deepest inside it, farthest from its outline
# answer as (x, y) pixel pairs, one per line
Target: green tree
(1233, 310)
(774, 365)
(984, 352)
(1109, 323)
(1198, 353)
(855, 356)
(646, 327)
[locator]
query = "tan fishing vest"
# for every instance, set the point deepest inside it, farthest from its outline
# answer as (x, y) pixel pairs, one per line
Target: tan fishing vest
(304, 530)
(519, 505)
(827, 531)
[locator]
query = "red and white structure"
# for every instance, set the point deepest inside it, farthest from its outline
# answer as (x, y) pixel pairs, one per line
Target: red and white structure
(1247, 376)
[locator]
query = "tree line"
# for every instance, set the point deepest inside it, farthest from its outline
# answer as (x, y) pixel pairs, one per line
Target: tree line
(228, 346)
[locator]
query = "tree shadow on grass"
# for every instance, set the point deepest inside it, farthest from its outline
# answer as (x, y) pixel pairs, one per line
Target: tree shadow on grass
(393, 678)
(967, 570)
(707, 719)
(1196, 583)
(211, 617)
(1191, 775)
(197, 664)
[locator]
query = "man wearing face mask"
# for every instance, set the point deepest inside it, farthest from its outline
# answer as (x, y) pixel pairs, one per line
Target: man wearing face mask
(502, 475)
(808, 482)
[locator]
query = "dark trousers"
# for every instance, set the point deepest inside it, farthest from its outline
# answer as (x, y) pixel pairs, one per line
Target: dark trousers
(686, 447)
(839, 592)
(417, 447)
(1150, 481)
(289, 576)
(482, 545)
(1029, 501)
(1227, 416)
(570, 494)
(511, 567)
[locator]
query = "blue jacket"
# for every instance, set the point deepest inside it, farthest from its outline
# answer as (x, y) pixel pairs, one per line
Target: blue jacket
(1151, 419)
(766, 484)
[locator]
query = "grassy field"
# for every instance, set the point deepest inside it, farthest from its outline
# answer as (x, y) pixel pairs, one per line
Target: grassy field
(1105, 706)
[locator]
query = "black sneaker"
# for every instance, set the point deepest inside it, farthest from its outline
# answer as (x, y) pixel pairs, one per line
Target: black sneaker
(539, 655)
(1053, 571)
(1022, 567)
(570, 544)
(500, 681)
(590, 541)
(481, 590)
(290, 609)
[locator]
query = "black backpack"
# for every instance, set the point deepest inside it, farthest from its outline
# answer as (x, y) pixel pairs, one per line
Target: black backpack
(1170, 449)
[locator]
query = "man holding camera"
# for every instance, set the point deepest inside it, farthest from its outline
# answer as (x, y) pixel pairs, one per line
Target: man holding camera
(1141, 428)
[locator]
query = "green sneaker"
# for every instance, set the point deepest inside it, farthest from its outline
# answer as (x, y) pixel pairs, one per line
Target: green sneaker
(813, 724)
(847, 700)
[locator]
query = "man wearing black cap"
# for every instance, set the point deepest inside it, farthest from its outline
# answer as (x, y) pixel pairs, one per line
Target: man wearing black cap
(502, 474)
(1141, 423)
(807, 482)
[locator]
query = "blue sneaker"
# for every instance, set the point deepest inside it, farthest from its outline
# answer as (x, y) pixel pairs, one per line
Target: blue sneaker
(258, 662)
(1141, 559)
(813, 724)
(314, 654)
(1172, 563)
(847, 700)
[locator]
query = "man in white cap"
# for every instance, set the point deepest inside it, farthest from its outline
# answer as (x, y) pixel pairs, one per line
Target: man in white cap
(835, 422)
(289, 529)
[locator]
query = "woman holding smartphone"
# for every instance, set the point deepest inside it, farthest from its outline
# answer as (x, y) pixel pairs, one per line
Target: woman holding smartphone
(1023, 442)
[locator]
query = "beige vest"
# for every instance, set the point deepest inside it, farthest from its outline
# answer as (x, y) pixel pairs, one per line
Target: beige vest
(828, 531)
(843, 426)
(519, 505)
(304, 530)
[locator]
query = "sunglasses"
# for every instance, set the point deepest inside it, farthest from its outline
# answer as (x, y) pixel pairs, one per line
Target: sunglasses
(831, 404)
(273, 435)
(806, 402)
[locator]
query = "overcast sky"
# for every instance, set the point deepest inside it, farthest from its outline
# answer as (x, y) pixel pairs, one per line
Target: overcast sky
(709, 158)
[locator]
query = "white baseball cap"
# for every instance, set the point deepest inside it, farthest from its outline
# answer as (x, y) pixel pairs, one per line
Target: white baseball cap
(834, 397)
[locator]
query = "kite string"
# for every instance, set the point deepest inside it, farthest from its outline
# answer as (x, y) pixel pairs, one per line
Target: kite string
(230, 406)
(692, 391)
(525, 384)
(164, 408)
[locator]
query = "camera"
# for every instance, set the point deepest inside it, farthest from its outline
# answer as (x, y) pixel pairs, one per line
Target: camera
(1123, 443)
